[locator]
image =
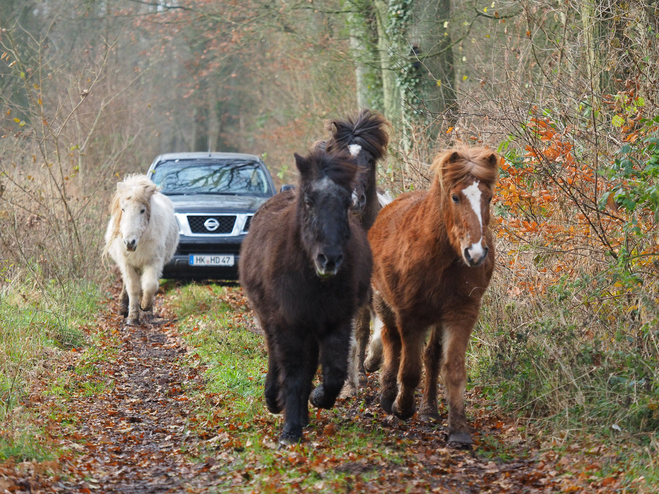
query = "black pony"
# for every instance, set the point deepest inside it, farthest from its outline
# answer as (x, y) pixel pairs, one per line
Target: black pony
(366, 138)
(305, 267)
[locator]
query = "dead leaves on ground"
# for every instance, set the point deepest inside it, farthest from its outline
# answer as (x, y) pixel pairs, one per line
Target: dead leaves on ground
(125, 421)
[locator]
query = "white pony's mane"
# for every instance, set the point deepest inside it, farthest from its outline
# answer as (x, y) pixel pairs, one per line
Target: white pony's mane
(136, 187)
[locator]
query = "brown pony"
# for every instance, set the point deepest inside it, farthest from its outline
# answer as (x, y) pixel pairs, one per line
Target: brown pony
(433, 259)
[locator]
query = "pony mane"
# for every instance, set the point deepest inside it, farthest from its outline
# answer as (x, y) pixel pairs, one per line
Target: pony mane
(339, 166)
(136, 186)
(454, 165)
(369, 130)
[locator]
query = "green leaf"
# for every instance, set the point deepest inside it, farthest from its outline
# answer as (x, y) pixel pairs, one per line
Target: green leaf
(617, 121)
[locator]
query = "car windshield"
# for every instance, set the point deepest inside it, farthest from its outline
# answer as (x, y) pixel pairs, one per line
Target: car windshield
(215, 177)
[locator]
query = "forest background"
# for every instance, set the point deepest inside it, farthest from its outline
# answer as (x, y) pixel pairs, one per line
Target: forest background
(566, 90)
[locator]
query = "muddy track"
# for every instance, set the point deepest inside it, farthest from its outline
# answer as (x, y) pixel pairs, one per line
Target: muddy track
(136, 430)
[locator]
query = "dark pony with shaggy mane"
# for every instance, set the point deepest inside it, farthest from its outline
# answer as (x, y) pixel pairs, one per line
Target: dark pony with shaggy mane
(366, 137)
(433, 259)
(305, 267)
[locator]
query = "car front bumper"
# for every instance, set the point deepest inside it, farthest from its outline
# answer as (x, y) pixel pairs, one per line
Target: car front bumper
(179, 267)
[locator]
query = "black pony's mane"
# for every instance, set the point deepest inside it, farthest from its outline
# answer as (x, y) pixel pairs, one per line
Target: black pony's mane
(368, 130)
(339, 166)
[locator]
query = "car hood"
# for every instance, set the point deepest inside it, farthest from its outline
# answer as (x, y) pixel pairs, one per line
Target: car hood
(210, 203)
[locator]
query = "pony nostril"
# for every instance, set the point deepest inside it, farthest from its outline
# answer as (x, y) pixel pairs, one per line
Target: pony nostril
(362, 200)
(468, 256)
(322, 260)
(485, 251)
(338, 261)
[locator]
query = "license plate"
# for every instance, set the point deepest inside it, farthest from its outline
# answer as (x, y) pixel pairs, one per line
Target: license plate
(211, 260)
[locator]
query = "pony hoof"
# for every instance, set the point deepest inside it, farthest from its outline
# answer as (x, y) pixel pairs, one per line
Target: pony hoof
(403, 414)
(320, 400)
(273, 406)
(429, 417)
(132, 321)
(386, 403)
(292, 435)
(460, 440)
(348, 391)
(123, 310)
(371, 365)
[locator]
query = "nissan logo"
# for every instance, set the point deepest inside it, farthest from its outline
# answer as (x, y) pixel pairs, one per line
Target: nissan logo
(211, 224)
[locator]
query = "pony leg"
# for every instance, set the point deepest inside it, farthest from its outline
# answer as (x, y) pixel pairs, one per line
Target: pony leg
(432, 357)
(409, 373)
(272, 387)
(334, 349)
(391, 346)
(150, 286)
(311, 364)
(362, 332)
(374, 359)
(132, 280)
(456, 339)
(351, 385)
(123, 300)
(292, 376)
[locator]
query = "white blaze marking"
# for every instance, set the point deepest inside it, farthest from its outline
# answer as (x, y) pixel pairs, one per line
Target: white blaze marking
(473, 194)
(354, 149)
(323, 184)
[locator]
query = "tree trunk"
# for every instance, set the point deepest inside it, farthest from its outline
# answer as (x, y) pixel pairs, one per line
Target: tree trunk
(361, 22)
(390, 91)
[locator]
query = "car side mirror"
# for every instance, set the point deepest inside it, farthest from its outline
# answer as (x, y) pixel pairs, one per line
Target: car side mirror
(286, 187)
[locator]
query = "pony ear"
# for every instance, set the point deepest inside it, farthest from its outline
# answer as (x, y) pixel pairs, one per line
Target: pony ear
(493, 160)
(455, 156)
(302, 164)
(149, 189)
(122, 187)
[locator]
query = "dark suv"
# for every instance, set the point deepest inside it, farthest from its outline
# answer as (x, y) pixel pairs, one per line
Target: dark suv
(215, 196)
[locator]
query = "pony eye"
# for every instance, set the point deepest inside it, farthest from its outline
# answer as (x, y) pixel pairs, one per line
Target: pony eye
(123, 210)
(489, 200)
(308, 203)
(455, 198)
(142, 212)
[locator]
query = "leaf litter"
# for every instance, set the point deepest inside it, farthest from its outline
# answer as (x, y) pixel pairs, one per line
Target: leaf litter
(125, 421)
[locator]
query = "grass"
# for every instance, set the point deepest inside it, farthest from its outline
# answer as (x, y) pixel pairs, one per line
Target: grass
(232, 414)
(36, 322)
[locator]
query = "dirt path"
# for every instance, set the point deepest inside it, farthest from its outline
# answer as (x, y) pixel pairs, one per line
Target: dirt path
(136, 430)
(133, 435)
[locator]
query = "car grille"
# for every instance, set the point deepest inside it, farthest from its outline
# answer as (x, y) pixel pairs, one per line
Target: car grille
(247, 223)
(225, 224)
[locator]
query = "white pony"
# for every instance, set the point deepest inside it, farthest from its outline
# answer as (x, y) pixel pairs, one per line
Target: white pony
(141, 237)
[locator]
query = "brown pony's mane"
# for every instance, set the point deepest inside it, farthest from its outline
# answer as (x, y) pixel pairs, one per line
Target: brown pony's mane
(136, 187)
(454, 165)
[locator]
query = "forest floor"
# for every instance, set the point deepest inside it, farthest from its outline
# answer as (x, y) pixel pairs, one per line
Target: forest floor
(175, 405)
